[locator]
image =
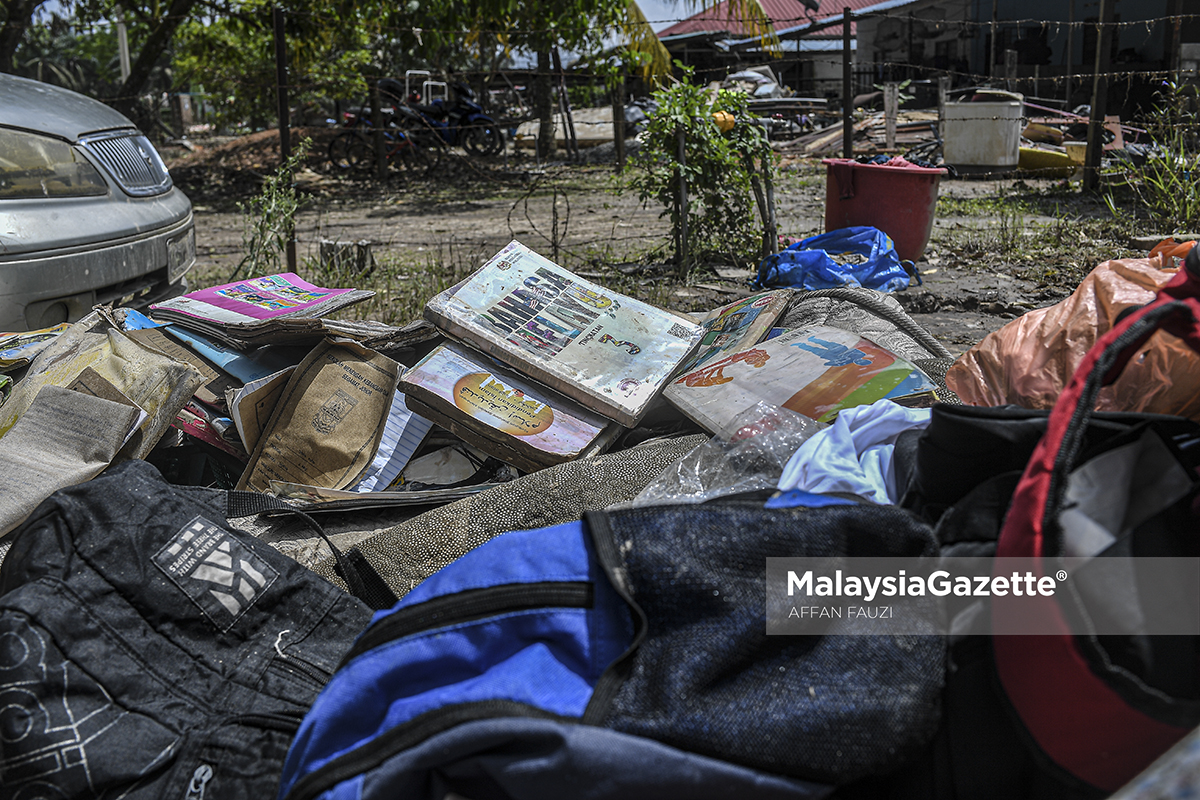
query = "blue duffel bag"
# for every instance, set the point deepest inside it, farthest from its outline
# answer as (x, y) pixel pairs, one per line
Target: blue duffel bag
(624, 656)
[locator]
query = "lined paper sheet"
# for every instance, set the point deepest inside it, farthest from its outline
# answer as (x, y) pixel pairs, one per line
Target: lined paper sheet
(402, 435)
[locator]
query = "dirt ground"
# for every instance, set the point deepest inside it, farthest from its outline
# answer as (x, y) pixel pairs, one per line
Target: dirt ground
(979, 271)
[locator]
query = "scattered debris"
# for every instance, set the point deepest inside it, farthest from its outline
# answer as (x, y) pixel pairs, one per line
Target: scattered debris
(390, 460)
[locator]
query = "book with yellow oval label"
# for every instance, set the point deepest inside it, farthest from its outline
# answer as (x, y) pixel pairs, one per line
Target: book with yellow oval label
(503, 414)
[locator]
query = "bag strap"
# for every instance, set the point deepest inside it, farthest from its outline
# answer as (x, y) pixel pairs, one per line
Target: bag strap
(361, 578)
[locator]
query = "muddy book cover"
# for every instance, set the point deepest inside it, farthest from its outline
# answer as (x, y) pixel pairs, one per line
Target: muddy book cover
(815, 371)
(502, 414)
(609, 352)
(739, 325)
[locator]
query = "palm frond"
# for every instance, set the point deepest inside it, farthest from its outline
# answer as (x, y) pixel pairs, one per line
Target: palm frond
(643, 43)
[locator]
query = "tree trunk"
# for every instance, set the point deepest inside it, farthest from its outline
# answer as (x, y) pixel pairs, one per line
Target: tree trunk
(543, 105)
(17, 18)
(148, 54)
(481, 76)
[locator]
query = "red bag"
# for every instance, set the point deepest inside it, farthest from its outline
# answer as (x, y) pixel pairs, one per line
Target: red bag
(1073, 711)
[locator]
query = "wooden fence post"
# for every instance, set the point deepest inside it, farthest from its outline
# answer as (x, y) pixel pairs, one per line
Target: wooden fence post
(285, 142)
(847, 88)
(681, 252)
(891, 106)
(618, 112)
(1095, 140)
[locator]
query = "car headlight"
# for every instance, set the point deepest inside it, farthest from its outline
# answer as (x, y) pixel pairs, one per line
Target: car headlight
(39, 166)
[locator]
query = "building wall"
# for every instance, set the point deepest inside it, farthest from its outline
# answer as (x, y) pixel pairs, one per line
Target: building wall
(923, 34)
(827, 74)
(930, 33)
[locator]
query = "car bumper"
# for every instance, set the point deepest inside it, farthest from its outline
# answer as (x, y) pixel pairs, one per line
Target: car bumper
(42, 289)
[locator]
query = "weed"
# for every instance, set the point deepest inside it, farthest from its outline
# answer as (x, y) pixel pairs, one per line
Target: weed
(1165, 181)
(268, 219)
(1010, 231)
(402, 287)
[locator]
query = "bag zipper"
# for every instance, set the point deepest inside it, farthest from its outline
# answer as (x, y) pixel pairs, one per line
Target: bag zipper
(278, 721)
(293, 664)
(200, 778)
(440, 612)
(470, 605)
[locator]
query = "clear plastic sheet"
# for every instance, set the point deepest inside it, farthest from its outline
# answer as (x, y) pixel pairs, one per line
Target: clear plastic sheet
(1030, 360)
(747, 456)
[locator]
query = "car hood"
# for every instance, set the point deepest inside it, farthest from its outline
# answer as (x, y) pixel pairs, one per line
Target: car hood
(43, 108)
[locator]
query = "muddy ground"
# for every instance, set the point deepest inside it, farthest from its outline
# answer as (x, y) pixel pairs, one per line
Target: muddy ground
(999, 246)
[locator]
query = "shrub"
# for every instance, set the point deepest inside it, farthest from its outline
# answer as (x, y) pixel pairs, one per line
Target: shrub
(719, 169)
(269, 219)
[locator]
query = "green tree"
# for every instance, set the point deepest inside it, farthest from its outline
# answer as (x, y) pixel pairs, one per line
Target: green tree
(233, 56)
(80, 58)
(32, 42)
(16, 19)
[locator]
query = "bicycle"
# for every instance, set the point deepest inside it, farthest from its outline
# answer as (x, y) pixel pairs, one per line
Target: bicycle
(354, 151)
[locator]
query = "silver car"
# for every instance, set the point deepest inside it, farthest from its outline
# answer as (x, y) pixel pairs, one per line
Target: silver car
(88, 213)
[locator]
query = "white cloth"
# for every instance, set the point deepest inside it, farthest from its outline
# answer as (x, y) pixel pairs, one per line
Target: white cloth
(855, 453)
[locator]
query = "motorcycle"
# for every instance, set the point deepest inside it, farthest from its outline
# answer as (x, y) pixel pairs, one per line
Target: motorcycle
(460, 122)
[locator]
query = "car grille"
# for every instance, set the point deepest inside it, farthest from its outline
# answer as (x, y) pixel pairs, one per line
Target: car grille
(133, 162)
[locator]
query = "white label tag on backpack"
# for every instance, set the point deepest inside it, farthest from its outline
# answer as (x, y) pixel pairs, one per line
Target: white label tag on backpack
(220, 574)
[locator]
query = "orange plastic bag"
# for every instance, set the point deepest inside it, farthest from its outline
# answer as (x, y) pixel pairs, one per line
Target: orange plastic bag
(1030, 360)
(1171, 248)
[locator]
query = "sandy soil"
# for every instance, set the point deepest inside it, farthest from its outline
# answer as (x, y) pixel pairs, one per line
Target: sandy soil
(469, 209)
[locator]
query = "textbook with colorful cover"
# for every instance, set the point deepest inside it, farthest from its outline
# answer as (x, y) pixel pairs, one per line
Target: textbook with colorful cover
(239, 312)
(738, 325)
(815, 371)
(502, 414)
(609, 352)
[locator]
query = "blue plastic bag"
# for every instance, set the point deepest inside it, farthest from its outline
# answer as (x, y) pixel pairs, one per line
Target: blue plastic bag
(807, 264)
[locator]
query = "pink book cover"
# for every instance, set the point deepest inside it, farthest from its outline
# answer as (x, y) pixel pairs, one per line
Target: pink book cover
(257, 299)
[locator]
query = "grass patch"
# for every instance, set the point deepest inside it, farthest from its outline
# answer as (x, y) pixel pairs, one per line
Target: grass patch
(401, 287)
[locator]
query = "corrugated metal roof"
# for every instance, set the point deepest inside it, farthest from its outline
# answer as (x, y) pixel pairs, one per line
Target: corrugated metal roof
(856, 6)
(785, 15)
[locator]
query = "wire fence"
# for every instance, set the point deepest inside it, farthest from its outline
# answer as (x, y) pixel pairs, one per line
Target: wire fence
(1134, 33)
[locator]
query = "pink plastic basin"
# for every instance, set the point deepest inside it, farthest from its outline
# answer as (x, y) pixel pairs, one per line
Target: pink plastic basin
(900, 201)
